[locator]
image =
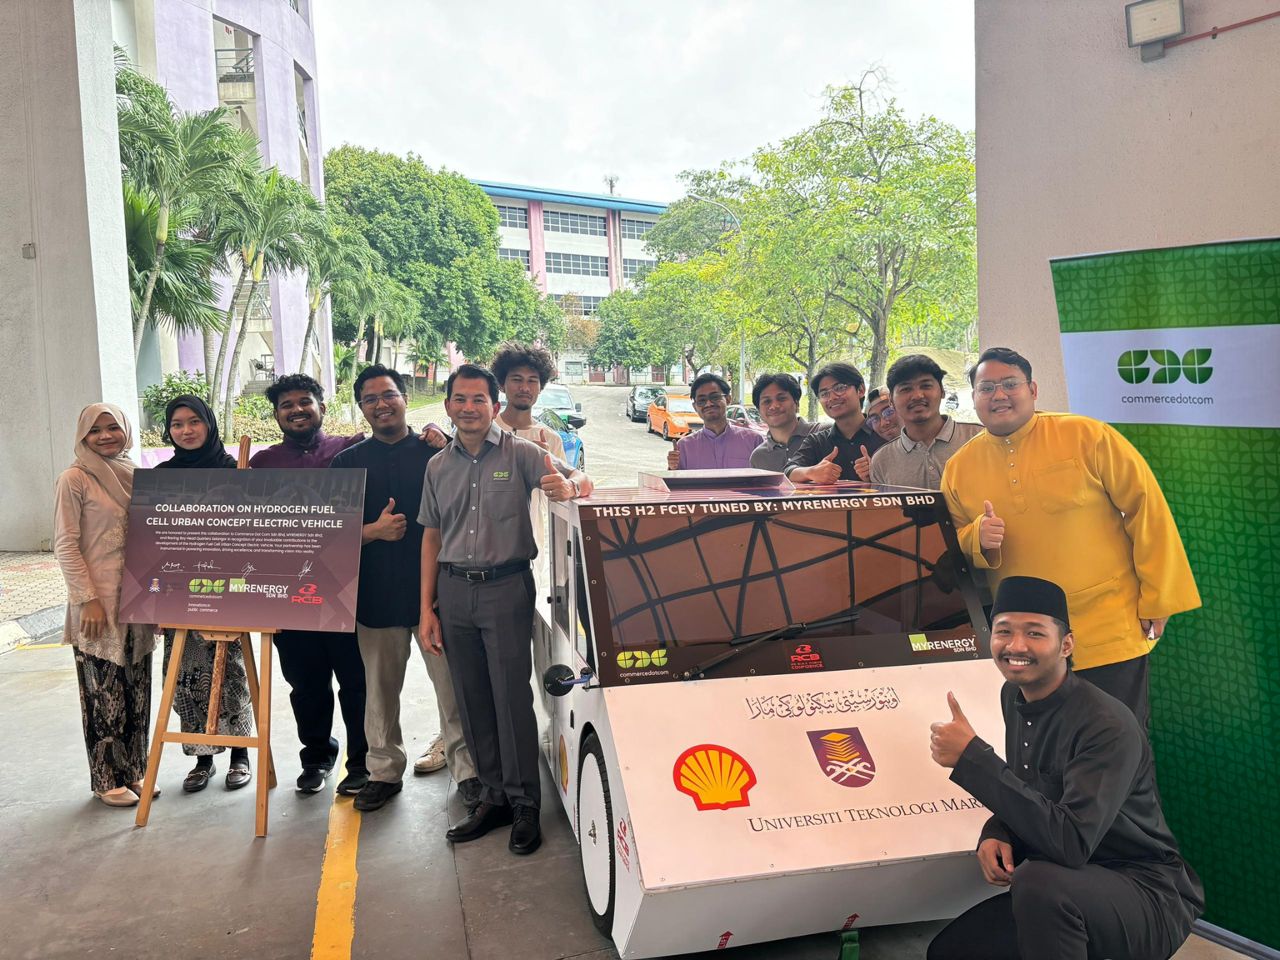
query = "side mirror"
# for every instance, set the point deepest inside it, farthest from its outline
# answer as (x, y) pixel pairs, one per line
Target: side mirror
(578, 407)
(576, 421)
(558, 679)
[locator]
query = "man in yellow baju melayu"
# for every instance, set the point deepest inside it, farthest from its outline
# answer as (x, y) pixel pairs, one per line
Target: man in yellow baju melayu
(1066, 498)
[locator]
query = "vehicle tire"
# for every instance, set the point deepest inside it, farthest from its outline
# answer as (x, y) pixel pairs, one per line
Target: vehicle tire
(649, 424)
(595, 834)
(666, 435)
(582, 459)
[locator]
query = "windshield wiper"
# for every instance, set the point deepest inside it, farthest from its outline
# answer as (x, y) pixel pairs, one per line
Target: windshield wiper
(740, 645)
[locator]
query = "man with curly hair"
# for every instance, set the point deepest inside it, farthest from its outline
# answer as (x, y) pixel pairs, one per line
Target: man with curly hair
(522, 371)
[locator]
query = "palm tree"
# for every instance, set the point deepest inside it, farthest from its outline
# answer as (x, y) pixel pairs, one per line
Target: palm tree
(180, 160)
(335, 252)
(182, 294)
(271, 214)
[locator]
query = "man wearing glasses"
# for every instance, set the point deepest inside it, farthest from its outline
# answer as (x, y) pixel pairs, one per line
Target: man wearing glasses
(1068, 499)
(719, 445)
(928, 438)
(829, 454)
(881, 417)
(387, 611)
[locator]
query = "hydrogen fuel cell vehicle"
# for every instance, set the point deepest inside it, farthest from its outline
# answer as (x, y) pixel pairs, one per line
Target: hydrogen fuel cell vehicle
(738, 680)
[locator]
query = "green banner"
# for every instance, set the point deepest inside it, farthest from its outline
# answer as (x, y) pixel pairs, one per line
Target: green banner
(1178, 348)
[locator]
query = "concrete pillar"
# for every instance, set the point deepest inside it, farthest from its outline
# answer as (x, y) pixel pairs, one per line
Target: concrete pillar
(64, 300)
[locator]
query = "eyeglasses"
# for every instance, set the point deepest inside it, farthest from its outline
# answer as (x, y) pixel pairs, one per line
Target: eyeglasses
(986, 388)
(391, 396)
(709, 399)
(835, 390)
(887, 415)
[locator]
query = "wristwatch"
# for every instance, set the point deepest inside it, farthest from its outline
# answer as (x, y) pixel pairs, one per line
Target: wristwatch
(577, 491)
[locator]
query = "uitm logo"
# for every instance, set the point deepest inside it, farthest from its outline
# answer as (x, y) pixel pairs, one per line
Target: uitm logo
(1193, 365)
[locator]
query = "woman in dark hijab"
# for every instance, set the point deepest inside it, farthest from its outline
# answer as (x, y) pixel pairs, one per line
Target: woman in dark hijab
(191, 427)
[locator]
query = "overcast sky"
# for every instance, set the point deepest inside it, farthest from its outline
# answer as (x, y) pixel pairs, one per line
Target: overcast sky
(559, 93)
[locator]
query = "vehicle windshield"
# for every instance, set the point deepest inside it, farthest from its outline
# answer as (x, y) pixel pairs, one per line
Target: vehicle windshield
(752, 414)
(555, 397)
(680, 405)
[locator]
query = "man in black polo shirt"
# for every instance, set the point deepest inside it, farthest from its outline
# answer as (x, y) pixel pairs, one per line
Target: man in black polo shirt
(395, 462)
(828, 454)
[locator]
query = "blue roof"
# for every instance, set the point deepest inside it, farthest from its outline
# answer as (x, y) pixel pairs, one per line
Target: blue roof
(608, 202)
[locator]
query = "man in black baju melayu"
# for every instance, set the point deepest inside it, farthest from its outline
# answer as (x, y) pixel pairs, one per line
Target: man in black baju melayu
(1076, 833)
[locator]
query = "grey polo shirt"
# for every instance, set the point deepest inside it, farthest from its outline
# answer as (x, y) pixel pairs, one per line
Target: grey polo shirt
(909, 463)
(771, 455)
(480, 504)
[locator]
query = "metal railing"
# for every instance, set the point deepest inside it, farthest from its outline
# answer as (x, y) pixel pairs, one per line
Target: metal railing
(234, 64)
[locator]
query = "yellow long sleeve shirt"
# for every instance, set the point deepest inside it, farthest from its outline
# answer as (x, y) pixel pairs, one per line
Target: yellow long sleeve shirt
(1081, 508)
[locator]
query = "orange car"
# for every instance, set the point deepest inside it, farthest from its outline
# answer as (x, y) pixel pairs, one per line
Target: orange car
(673, 416)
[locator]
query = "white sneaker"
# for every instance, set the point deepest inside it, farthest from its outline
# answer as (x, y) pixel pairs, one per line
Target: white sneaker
(433, 759)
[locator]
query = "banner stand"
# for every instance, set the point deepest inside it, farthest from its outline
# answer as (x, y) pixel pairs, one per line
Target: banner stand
(259, 693)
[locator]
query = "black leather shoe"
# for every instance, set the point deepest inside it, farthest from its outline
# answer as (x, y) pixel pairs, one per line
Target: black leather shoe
(198, 778)
(311, 779)
(469, 790)
(486, 817)
(375, 794)
(238, 774)
(526, 834)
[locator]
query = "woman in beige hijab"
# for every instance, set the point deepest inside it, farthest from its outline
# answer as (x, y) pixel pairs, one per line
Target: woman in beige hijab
(113, 660)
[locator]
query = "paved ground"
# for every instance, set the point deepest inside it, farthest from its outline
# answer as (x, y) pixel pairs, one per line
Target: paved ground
(81, 881)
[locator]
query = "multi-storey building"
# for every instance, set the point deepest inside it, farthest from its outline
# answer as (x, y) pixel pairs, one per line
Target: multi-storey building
(580, 246)
(257, 59)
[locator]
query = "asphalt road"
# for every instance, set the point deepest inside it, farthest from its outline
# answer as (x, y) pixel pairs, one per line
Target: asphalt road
(616, 448)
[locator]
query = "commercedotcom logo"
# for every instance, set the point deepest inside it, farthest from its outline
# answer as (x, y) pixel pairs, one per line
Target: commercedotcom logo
(1168, 366)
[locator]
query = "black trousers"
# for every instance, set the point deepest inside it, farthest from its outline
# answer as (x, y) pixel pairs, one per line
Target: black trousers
(1060, 913)
(1127, 682)
(488, 634)
(310, 660)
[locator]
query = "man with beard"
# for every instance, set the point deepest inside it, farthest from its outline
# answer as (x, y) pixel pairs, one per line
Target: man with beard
(777, 397)
(522, 371)
(1076, 834)
(928, 438)
(829, 454)
(1067, 497)
(395, 462)
(719, 445)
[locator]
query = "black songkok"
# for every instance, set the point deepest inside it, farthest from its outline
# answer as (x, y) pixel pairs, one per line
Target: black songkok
(1030, 595)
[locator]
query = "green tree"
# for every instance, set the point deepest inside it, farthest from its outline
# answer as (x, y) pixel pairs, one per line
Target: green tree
(333, 251)
(178, 160)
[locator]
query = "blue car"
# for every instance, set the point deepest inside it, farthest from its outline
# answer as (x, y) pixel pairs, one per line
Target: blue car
(575, 453)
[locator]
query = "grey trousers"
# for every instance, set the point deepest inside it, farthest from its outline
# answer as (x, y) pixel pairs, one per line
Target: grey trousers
(488, 633)
(385, 651)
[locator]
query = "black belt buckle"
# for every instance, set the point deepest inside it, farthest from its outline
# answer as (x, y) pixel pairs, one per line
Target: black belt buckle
(476, 576)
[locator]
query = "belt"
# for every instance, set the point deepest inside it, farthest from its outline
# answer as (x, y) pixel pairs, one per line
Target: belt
(488, 573)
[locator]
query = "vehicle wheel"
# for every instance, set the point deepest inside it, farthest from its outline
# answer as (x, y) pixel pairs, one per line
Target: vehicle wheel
(582, 459)
(595, 834)
(649, 424)
(666, 435)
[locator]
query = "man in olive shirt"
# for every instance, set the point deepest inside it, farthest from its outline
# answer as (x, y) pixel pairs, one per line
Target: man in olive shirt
(477, 545)
(777, 397)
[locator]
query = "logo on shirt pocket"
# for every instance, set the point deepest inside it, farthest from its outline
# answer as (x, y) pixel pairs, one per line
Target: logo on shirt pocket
(502, 475)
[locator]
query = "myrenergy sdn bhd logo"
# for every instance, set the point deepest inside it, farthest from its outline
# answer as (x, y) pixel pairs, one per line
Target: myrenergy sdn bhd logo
(1193, 365)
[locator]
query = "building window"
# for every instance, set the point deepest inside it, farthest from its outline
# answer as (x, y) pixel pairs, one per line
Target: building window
(583, 265)
(509, 253)
(517, 217)
(635, 229)
(235, 66)
(304, 147)
(589, 305)
(634, 268)
(561, 222)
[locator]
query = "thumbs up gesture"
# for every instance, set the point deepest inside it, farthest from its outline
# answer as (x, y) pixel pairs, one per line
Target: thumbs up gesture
(390, 525)
(553, 483)
(826, 470)
(991, 529)
(948, 739)
(673, 456)
(862, 466)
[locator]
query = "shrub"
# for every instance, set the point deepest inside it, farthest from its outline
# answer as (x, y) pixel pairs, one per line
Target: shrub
(157, 396)
(254, 406)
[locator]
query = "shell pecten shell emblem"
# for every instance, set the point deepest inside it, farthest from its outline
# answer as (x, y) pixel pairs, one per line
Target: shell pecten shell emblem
(715, 777)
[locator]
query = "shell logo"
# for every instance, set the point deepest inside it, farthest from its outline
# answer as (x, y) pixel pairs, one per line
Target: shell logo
(715, 777)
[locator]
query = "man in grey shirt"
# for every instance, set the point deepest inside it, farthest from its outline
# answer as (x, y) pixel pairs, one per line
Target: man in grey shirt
(476, 546)
(928, 438)
(777, 397)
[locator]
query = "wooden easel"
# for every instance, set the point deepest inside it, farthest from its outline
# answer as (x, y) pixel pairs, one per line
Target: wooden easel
(259, 694)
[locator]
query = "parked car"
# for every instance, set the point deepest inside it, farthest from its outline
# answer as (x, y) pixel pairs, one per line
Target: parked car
(745, 415)
(575, 454)
(673, 416)
(638, 400)
(556, 396)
